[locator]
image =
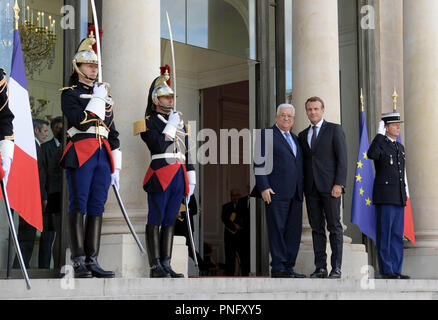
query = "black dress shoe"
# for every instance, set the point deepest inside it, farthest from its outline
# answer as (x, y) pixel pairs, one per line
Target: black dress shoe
(335, 274)
(390, 276)
(319, 273)
(293, 274)
(281, 274)
(402, 276)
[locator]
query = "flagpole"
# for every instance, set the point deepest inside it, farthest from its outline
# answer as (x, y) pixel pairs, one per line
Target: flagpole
(12, 231)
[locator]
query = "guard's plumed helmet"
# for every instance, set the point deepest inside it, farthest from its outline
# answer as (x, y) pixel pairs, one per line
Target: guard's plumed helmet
(162, 88)
(85, 54)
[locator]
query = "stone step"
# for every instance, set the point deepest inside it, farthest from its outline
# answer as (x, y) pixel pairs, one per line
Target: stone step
(257, 288)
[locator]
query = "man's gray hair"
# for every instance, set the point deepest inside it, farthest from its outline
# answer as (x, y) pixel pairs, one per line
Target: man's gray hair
(286, 105)
(39, 123)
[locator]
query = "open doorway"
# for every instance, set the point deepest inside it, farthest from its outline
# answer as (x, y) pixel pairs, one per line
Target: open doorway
(214, 91)
(223, 108)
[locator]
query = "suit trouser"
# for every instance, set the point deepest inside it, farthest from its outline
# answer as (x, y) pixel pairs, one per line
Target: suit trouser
(322, 207)
(26, 239)
(236, 244)
(389, 238)
(284, 220)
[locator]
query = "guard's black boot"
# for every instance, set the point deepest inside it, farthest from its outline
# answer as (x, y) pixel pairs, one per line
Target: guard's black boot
(93, 229)
(77, 245)
(153, 249)
(166, 250)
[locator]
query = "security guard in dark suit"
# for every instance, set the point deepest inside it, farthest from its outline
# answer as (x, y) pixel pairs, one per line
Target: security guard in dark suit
(389, 195)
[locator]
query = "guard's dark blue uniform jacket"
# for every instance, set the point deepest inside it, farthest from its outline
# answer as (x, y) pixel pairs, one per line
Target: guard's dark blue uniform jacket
(389, 162)
(82, 146)
(6, 116)
(162, 171)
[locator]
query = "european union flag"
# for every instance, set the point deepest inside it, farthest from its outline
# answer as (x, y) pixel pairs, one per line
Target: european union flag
(363, 212)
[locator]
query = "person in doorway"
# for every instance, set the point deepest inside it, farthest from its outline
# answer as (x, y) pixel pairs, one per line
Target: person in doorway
(234, 219)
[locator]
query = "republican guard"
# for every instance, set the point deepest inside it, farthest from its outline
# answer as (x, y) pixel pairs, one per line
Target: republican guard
(170, 176)
(6, 129)
(92, 158)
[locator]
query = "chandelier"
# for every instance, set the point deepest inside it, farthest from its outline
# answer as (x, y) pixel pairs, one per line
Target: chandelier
(37, 41)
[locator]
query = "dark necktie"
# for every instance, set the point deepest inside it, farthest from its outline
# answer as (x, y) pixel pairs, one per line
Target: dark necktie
(313, 141)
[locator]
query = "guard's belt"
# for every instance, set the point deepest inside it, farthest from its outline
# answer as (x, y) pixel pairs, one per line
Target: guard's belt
(101, 131)
(178, 155)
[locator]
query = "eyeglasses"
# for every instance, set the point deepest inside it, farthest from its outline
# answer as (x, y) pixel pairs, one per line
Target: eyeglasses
(286, 116)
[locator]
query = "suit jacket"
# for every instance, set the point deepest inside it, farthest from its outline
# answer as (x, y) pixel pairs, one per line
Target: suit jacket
(327, 164)
(234, 214)
(42, 171)
(52, 156)
(286, 178)
(389, 161)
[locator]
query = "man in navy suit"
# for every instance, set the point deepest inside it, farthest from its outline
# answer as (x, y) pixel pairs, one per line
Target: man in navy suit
(281, 187)
(325, 174)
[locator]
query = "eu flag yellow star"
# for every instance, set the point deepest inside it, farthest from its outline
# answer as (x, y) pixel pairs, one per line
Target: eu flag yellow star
(358, 178)
(361, 191)
(360, 164)
(365, 155)
(368, 202)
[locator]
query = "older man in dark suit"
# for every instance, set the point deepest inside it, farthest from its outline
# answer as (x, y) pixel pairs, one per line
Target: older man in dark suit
(26, 233)
(325, 174)
(280, 182)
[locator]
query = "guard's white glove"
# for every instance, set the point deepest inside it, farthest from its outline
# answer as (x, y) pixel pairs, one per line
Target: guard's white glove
(191, 179)
(191, 190)
(6, 165)
(7, 153)
(172, 124)
(115, 178)
(100, 91)
(98, 101)
(381, 129)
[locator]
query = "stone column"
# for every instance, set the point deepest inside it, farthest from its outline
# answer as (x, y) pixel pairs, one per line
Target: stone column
(315, 58)
(315, 65)
(131, 61)
(421, 94)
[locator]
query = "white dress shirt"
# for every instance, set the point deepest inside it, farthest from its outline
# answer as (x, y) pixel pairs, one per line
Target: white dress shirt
(294, 147)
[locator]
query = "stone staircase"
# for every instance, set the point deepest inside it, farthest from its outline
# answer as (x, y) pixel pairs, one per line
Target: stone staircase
(214, 288)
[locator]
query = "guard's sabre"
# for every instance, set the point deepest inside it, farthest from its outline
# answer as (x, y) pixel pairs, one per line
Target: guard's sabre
(99, 56)
(125, 215)
(14, 235)
(96, 28)
(189, 227)
(173, 60)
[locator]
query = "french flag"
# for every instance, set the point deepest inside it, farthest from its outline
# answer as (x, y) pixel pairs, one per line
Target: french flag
(23, 183)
